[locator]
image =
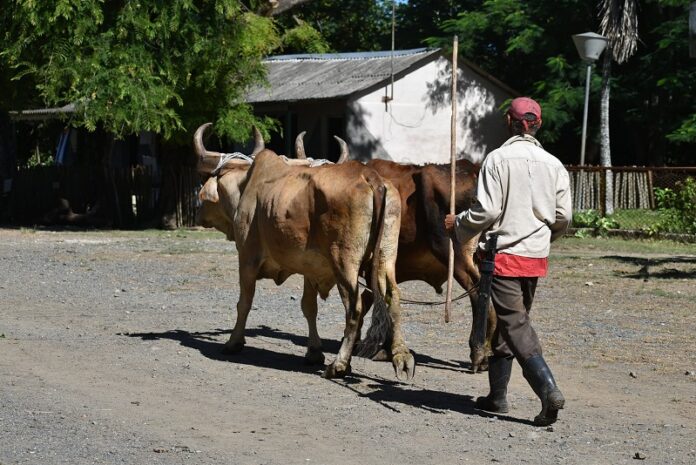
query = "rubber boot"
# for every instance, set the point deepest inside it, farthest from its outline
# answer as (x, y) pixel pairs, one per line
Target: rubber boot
(539, 377)
(499, 369)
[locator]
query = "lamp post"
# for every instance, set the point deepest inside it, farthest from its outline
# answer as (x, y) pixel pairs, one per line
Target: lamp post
(590, 46)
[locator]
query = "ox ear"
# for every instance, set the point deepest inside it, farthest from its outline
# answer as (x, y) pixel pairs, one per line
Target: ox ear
(209, 191)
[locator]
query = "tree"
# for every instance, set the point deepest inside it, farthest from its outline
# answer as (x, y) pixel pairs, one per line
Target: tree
(346, 25)
(527, 45)
(141, 66)
(619, 24)
(417, 20)
(518, 42)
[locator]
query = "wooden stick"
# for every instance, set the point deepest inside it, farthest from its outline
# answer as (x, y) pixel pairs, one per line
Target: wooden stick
(453, 174)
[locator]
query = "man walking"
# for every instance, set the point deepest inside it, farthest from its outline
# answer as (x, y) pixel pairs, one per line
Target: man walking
(523, 197)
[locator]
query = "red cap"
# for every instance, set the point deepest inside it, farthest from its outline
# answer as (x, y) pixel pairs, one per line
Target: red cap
(520, 106)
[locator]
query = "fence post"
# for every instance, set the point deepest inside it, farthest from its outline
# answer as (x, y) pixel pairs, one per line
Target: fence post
(602, 195)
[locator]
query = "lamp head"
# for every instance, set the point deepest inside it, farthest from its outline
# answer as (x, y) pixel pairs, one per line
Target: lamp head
(590, 45)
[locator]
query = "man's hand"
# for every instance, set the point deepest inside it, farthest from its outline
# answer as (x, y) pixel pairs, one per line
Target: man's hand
(449, 222)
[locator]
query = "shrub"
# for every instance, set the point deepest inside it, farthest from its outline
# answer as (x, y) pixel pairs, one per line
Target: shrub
(594, 219)
(678, 206)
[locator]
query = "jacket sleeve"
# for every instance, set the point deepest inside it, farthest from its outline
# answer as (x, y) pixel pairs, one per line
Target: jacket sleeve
(485, 210)
(564, 206)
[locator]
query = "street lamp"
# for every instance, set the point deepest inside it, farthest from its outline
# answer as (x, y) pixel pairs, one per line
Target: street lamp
(590, 46)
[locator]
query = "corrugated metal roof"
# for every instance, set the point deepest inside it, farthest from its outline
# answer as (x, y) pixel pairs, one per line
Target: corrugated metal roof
(332, 75)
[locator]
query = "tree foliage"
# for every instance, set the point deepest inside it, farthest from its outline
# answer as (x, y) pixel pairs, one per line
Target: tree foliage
(140, 65)
(168, 66)
(527, 45)
(346, 25)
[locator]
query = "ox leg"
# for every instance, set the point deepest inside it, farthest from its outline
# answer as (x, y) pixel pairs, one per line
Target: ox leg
(367, 300)
(314, 355)
(350, 296)
(402, 359)
(247, 288)
(467, 275)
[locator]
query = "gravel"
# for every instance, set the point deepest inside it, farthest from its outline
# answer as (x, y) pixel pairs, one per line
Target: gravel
(111, 341)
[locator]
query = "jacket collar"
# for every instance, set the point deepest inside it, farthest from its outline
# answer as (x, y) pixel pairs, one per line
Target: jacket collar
(522, 138)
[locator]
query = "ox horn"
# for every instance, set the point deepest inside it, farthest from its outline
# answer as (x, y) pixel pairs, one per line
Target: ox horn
(258, 142)
(207, 160)
(344, 150)
(299, 146)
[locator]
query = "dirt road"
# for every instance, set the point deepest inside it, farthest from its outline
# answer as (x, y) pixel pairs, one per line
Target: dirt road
(110, 353)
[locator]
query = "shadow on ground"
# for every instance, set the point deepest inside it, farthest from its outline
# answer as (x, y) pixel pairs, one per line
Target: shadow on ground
(386, 393)
(655, 268)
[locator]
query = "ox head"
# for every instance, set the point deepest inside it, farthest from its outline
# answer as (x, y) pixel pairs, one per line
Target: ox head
(300, 151)
(222, 190)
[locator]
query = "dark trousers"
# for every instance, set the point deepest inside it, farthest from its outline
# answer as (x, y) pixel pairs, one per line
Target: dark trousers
(512, 299)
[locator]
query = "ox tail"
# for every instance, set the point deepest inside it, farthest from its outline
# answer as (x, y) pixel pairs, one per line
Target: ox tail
(381, 328)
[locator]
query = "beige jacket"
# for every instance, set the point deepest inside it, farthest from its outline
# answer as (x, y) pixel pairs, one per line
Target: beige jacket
(523, 196)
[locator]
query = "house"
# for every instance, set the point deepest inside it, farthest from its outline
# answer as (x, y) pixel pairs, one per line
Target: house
(389, 105)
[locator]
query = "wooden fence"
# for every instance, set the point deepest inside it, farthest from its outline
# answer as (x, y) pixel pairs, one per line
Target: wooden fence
(132, 197)
(631, 187)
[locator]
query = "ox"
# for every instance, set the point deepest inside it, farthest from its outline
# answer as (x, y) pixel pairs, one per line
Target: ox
(328, 223)
(423, 243)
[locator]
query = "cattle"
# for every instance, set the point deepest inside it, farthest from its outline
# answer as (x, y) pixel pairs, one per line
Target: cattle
(329, 224)
(423, 243)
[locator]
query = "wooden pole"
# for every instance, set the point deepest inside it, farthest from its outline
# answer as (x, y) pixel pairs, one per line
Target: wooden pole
(453, 173)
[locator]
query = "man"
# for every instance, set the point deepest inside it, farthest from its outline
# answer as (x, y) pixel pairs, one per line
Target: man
(523, 197)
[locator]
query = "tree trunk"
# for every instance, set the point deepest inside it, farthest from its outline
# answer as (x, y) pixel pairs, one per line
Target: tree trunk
(605, 146)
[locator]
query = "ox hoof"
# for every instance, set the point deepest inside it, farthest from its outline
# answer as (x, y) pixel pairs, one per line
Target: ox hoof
(336, 371)
(479, 361)
(234, 348)
(404, 366)
(314, 356)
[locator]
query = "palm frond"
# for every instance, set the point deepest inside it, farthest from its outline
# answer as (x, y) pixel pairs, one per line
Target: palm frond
(619, 24)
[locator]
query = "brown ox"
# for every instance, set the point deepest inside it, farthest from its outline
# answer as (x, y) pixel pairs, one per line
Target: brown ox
(423, 242)
(326, 223)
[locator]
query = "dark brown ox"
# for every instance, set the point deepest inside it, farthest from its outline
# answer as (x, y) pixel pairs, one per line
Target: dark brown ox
(423, 243)
(327, 223)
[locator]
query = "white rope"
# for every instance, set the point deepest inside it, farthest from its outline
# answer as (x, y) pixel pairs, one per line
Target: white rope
(318, 162)
(225, 157)
(311, 162)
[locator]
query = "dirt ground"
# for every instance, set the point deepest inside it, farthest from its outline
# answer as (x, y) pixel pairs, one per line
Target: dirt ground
(110, 353)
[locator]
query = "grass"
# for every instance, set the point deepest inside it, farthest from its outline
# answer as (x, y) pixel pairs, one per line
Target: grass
(570, 244)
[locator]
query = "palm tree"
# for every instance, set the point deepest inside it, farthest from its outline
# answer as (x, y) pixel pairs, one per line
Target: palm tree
(619, 24)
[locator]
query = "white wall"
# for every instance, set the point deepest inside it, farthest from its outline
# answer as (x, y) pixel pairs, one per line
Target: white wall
(415, 126)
